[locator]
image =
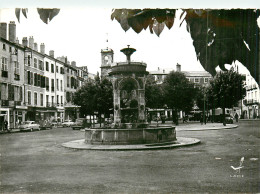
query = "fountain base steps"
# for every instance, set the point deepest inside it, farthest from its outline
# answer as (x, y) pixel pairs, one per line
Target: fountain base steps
(181, 141)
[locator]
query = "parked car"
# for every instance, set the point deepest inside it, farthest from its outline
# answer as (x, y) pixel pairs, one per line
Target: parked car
(229, 119)
(44, 124)
(29, 125)
(67, 123)
(80, 123)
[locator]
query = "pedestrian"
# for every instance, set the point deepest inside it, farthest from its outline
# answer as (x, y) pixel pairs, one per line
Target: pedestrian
(236, 117)
(5, 125)
(201, 119)
(163, 118)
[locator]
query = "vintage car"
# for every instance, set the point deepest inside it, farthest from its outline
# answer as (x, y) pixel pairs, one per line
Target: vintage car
(229, 119)
(79, 124)
(67, 123)
(29, 126)
(45, 124)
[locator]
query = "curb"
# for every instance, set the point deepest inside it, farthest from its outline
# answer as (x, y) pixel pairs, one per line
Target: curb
(212, 128)
(180, 142)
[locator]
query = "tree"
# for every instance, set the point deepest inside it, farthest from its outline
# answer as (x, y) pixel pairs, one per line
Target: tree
(95, 96)
(219, 36)
(226, 89)
(179, 93)
(153, 93)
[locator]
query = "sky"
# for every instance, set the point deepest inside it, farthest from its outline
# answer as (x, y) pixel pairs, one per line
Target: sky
(81, 29)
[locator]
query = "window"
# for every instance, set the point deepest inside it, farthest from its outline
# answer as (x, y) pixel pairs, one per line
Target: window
(4, 48)
(206, 80)
(4, 67)
(40, 65)
(47, 66)
(47, 84)
(57, 100)
(31, 78)
(16, 70)
(47, 100)
(16, 67)
(68, 81)
(4, 64)
(61, 70)
(35, 79)
(68, 97)
(196, 80)
(29, 98)
(41, 99)
(52, 85)
(68, 70)
(35, 62)
(52, 68)
(61, 100)
(28, 60)
(57, 69)
(35, 98)
(57, 84)
(28, 77)
(61, 87)
(52, 100)
(10, 49)
(10, 92)
(39, 80)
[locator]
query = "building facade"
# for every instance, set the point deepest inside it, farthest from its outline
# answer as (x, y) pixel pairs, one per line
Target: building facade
(250, 108)
(35, 85)
(12, 88)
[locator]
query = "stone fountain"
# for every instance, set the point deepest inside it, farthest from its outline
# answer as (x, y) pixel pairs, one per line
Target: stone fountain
(130, 130)
(129, 125)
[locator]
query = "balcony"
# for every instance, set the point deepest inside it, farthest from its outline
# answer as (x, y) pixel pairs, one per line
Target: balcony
(49, 104)
(251, 87)
(250, 102)
(4, 102)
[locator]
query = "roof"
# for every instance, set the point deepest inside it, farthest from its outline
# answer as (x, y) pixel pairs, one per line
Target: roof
(107, 50)
(197, 74)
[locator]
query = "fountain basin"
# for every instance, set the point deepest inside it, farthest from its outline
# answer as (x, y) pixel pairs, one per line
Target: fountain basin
(149, 135)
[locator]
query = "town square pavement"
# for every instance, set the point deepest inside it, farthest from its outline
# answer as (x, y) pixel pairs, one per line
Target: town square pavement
(36, 162)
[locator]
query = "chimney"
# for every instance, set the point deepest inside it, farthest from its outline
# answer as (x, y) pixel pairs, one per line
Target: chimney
(66, 60)
(178, 67)
(3, 30)
(17, 41)
(73, 63)
(25, 41)
(163, 71)
(35, 46)
(12, 31)
(31, 42)
(158, 68)
(51, 53)
(42, 48)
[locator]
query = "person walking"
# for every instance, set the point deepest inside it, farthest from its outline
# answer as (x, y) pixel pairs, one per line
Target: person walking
(236, 117)
(201, 119)
(5, 125)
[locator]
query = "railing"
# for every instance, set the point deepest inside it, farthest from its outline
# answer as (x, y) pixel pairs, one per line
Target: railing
(49, 104)
(251, 87)
(250, 101)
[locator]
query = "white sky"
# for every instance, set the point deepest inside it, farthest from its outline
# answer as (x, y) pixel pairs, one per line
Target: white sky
(79, 32)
